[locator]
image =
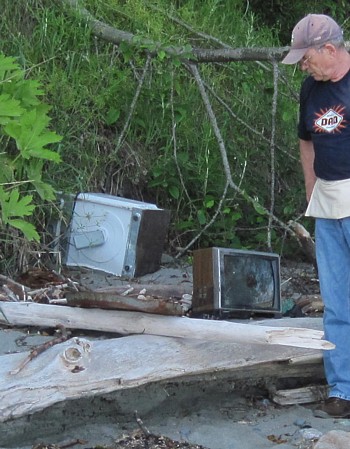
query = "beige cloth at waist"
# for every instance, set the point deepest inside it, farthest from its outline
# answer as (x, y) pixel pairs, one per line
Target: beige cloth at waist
(330, 199)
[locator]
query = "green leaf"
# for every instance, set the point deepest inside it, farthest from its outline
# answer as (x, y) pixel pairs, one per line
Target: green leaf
(184, 224)
(7, 64)
(112, 116)
(43, 153)
(27, 91)
(17, 207)
(9, 107)
(34, 170)
(161, 55)
(259, 208)
(44, 190)
(4, 195)
(174, 192)
(6, 172)
(201, 217)
(235, 216)
(209, 203)
(23, 119)
(31, 136)
(27, 228)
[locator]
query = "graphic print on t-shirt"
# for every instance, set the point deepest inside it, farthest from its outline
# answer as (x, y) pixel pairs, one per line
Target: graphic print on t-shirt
(330, 121)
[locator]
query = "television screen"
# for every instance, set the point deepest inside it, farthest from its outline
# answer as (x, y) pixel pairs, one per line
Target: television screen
(228, 280)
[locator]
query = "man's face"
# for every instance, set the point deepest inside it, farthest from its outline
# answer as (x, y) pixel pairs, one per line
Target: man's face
(317, 63)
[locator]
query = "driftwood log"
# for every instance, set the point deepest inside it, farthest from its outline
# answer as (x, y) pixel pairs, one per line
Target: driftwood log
(306, 241)
(303, 395)
(157, 290)
(83, 368)
(126, 323)
(139, 303)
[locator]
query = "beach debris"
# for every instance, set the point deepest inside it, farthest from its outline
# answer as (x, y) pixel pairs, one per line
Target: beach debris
(36, 351)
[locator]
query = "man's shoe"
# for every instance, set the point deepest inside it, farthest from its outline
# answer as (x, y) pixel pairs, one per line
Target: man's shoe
(333, 408)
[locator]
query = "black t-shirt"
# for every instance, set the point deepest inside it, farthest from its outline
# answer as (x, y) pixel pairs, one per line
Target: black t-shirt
(325, 119)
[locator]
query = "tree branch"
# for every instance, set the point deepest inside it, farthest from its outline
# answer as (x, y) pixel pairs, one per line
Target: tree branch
(115, 36)
(212, 118)
(272, 151)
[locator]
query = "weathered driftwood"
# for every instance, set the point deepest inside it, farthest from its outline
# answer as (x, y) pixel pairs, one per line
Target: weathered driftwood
(304, 395)
(306, 241)
(127, 323)
(110, 301)
(80, 367)
(309, 304)
(157, 290)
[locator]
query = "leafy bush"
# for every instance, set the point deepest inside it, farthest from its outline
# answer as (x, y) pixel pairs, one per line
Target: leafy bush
(24, 137)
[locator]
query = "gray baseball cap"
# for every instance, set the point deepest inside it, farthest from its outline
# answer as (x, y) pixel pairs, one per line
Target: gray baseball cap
(314, 30)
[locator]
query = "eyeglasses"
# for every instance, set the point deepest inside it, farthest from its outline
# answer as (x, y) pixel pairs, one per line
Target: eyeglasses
(304, 60)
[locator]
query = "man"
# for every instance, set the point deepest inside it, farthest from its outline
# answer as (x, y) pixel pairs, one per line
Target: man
(324, 133)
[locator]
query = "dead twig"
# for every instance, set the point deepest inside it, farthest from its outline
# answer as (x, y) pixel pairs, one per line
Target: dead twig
(140, 423)
(13, 289)
(60, 446)
(10, 294)
(10, 281)
(35, 352)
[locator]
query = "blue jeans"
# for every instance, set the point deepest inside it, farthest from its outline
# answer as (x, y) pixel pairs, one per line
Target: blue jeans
(333, 261)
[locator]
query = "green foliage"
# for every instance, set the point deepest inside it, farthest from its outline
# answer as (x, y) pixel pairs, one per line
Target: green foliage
(282, 15)
(24, 135)
(164, 150)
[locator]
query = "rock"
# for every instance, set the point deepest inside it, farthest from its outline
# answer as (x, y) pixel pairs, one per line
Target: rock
(335, 439)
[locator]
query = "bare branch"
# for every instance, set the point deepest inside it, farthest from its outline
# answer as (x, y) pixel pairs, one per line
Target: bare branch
(174, 137)
(115, 36)
(245, 124)
(189, 28)
(272, 151)
(193, 241)
(212, 118)
(239, 54)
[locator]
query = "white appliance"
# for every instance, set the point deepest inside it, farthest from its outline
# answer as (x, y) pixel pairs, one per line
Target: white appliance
(116, 235)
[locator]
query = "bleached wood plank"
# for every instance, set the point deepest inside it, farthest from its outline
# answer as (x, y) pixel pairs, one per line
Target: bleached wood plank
(127, 323)
(305, 395)
(82, 367)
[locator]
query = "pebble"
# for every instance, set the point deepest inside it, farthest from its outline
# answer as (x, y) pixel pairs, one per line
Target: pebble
(301, 423)
(335, 439)
(307, 435)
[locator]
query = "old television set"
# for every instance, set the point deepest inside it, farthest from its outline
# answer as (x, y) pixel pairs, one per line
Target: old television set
(120, 236)
(228, 281)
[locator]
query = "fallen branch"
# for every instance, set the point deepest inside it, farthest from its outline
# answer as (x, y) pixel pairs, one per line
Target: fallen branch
(138, 303)
(115, 36)
(307, 243)
(126, 323)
